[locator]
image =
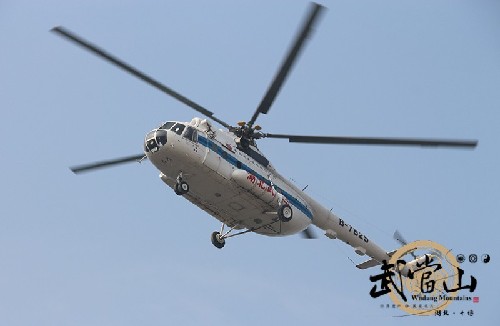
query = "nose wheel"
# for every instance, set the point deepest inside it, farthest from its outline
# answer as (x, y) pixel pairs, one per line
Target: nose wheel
(181, 188)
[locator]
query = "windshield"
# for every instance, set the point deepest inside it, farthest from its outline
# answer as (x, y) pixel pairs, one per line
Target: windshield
(167, 125)
(178, 128)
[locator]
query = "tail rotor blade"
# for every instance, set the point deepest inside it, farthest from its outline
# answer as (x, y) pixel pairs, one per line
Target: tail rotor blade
(399, 238)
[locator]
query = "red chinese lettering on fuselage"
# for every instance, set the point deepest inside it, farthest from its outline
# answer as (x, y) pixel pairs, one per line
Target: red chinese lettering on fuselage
(261, 184)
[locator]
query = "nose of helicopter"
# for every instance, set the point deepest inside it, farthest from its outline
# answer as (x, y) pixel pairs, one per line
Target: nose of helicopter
(154, 140)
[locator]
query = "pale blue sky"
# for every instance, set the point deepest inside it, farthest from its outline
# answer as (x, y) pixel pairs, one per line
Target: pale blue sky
(117, 247)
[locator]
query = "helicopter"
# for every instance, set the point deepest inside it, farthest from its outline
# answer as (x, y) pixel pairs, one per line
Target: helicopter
(223, 172)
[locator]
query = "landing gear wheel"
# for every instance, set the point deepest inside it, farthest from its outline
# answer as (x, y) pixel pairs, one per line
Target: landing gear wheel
(181, 188)
(285, 213)
(217, 241)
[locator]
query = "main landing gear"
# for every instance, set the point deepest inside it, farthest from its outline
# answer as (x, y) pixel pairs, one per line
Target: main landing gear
(285, 213)
(218, 238)
(181, 187)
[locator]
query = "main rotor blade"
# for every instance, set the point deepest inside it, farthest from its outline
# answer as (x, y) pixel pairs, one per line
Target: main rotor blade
(287, 64)
(377, 141)
(308, 234)
(108, 163)
(128, 68)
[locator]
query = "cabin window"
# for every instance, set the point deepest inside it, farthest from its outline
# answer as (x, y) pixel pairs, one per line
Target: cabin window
(213, 147)
(167, 125)
(178, 128)
(191, 134)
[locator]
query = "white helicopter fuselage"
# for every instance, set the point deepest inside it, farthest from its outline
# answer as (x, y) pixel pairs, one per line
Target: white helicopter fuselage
(224, 173)
(240, 187)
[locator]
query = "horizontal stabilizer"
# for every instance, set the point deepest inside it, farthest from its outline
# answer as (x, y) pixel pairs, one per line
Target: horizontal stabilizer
(372, 262)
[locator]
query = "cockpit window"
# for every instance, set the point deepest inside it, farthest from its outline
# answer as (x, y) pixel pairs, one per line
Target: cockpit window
(178, 128)
(167, 125)
(191, 134)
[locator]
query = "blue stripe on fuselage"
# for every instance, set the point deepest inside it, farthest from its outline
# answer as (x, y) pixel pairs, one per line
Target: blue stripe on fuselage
(233, 161)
